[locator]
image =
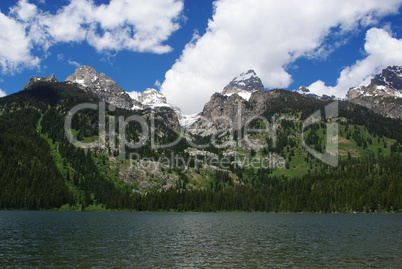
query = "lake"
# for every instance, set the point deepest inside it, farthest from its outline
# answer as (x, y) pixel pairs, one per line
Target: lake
(198, 240)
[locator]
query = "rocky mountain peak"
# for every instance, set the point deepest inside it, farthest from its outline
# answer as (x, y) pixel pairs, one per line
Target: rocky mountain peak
(386, 84)
(151, 97)
(390, 77)
(383, 94)
(226, 104)
(84, 76)
(34, 80)
(105, 88)
(243, 85)
(303, 90)
(155, 100)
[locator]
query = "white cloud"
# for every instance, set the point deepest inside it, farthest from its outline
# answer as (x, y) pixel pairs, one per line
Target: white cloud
(24, 10)
(266, 36)
(74, 63)
(382, 50)
(15, 47)
(2, 93)
(134, 95)
(135, 25)
(61, 57)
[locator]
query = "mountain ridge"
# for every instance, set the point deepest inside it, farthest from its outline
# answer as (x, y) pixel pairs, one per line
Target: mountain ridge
(383, 95)
(88, 79)
(244, 85)
(182, 176)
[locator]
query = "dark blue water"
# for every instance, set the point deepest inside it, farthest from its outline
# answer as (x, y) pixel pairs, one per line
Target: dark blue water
(199, 240)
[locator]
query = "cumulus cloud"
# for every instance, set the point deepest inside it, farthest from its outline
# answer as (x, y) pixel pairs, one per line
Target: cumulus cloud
(382, 50)
(265, 36)
(134, 95)
(15, 47)
(135, 25)
(2, 93)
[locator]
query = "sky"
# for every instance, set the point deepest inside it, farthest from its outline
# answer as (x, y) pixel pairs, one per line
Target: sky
(193, 48)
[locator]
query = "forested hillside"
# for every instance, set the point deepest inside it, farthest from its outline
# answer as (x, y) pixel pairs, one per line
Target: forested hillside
(41, 169)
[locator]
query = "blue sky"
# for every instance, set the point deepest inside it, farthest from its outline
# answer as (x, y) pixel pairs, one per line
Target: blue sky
(194, 48)
(132, 70)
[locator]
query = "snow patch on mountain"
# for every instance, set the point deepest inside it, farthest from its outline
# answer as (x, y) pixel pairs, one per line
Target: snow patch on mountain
(187, 120)
(383, 94)
(303, 90)
(373, 91)
(386, 84)
(34, 80)
(152, 97)
(244, 85)
(245, 76)
(105, 88)
(242, 93)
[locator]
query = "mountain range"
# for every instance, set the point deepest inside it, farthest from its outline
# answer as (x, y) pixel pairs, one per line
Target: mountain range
(248, 149)
(383, 95)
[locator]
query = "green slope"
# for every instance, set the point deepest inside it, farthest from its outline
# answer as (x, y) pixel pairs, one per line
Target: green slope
(41, 169)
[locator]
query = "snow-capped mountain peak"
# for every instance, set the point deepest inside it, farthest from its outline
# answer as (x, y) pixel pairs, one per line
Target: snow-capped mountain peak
(383, 94)
(245, 76)
(390, 78)
(152, 97)
(105, 88)
(373, 91)
(83, 76)
(303, 90)
(244, 85)
(386, 84)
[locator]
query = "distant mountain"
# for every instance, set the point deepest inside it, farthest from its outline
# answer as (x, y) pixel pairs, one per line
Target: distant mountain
(106, 89)
(244, 98)
(383, 94)
(234, 97)
(35, 80)
(155, 100)
(244, 85)
(200, 162)
(86, 78)
(303, 90)
(151, 97)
